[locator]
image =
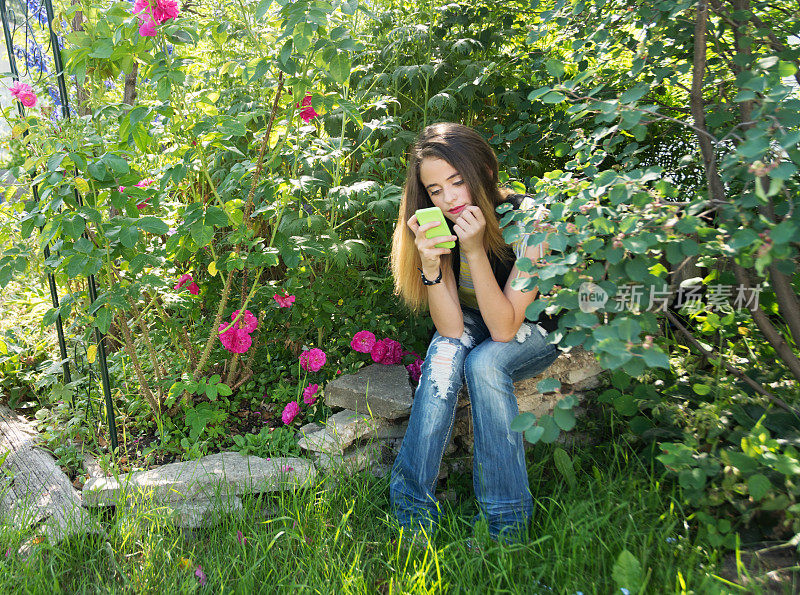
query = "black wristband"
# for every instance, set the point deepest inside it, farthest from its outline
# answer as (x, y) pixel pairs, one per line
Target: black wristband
(426, 281)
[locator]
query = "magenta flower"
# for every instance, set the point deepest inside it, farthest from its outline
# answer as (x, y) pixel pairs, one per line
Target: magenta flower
(284, 301)
(165, 10)
(247, 322)
(235, 340)
(201, 576)
(153, 12)
(144, 183)
(143, 204)
(290, 412)
(363, 341)
(309, 392)
(23, 93)
(415, 370)
(193, 287)
(312, 360)
(387, 352)
(308, 113)
(242, 539)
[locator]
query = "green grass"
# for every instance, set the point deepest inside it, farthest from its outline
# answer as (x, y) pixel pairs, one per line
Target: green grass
(339, 537)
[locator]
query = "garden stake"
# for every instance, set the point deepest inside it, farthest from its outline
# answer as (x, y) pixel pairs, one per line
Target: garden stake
(101, 347)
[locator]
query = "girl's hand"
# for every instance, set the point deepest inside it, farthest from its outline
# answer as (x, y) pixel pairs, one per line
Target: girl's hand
(469, 228)
(428, 252)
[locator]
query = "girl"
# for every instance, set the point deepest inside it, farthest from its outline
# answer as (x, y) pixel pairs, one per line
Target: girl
(481, 334)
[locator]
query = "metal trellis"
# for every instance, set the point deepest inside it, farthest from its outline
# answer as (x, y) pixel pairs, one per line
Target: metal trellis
(24, 23)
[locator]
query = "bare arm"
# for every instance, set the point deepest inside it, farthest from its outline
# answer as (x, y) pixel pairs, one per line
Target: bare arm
(503, 311)
(443, 301)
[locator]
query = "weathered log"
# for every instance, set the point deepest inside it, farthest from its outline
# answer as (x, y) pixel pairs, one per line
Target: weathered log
(34, 491)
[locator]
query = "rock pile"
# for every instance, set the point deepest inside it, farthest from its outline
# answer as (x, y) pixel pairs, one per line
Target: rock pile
(374, 404)
(371, 410)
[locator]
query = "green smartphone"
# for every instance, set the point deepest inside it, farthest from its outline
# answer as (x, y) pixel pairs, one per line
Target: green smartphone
(435, 214)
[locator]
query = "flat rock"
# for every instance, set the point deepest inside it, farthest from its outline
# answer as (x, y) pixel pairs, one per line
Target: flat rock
(344, 428)
(383, 391)
(217, 476)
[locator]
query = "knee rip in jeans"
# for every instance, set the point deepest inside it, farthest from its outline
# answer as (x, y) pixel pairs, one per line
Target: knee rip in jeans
(525, 331)
(442, 362)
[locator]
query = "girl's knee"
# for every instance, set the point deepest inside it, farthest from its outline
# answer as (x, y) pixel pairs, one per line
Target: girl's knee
(444, 362)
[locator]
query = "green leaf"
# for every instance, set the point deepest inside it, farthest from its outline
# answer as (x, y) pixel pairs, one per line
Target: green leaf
(129, 236)
(102, 48)
(784, 232)
(117, 164)
(627, 572)
(701, 389)
(523, 421)
(555, 68)
(202, 234)
(534, 434)
(758, 486)
(634, 94)
(655, 358)
(548, 385)
(263, 8)
(550, 427)
(553, 97)
(339, 68)
(565, 467)
(224, 390)
(626, 405)
(565, 418)
(102, 319)
(152, 225)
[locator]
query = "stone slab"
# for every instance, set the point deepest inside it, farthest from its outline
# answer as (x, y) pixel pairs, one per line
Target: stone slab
(344, 428)
(217, 476)
(383, 391)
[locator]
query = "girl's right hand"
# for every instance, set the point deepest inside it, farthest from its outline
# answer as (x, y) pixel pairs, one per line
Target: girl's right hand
(428, 252)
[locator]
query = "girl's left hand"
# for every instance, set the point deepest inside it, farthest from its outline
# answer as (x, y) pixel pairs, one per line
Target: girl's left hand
(469, 229)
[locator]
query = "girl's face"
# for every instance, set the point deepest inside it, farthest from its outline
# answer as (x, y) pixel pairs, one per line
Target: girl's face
(445, 186)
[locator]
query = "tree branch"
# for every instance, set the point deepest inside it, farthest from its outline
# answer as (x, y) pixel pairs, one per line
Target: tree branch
(771, 334)
(715, 187)
(736, 372)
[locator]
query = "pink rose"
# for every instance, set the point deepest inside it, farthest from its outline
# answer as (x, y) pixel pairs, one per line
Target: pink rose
(308, 113)
(312, 360)
(185, 279)
(23, 92)
(284, 301)
(415, 370)
(235, 340)
(247, 322)
(363, 341)
(290, 412)
(309, 392)
(387, 352)
(165, 10)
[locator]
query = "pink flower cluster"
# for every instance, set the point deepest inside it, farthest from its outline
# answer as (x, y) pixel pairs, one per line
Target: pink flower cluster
(23, 93)
(152, 13)
(309, 394)
(237, 338)
(284, 301)
(308, 113)
(193, 287)
(386, 351)
(291, 411)
(312, 360)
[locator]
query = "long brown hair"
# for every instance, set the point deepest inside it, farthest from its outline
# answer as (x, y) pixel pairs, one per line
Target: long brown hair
(473, 158)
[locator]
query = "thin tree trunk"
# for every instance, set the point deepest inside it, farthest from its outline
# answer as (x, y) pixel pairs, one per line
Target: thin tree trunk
(129, 96)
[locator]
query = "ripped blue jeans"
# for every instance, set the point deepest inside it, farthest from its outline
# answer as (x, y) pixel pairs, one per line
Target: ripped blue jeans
(490, 368)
